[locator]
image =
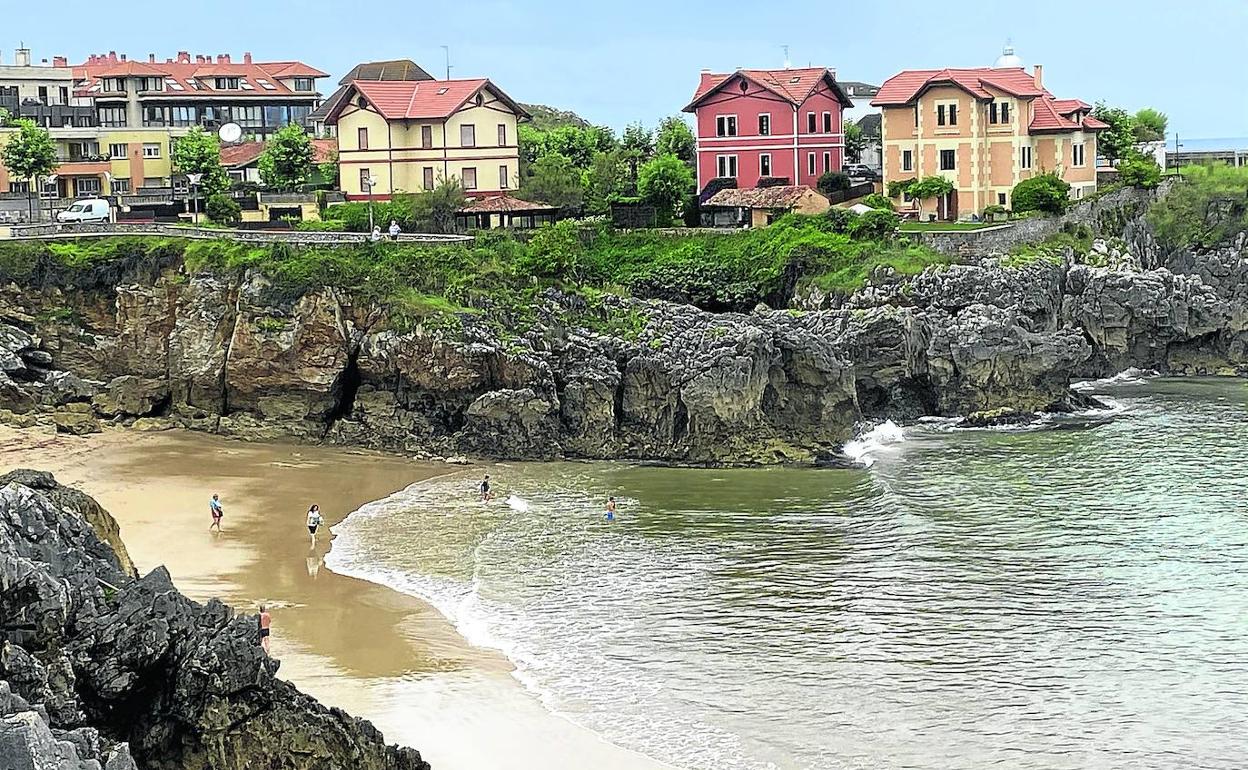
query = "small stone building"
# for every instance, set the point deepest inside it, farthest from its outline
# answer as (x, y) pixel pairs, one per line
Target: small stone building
(760, 206)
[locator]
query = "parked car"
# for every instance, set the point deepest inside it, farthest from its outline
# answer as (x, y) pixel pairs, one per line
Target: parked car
(91, 210)
(859, 171)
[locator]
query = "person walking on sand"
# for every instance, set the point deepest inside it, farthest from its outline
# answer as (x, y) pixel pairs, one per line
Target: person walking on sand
(610, 509)
(394, 229)
(314, 522)
(214, 507)
(265, 622)
(484, 488)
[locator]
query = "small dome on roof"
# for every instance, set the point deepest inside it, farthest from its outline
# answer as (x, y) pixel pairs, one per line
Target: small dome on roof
(1008, 58)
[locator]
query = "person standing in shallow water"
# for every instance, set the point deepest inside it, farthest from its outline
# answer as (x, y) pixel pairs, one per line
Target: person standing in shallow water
(314, 522)
(484, 488)
(265, 622)
(610, 509)
(214, 507)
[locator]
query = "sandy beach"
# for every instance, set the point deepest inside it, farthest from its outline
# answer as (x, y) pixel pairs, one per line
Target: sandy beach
(363, 647)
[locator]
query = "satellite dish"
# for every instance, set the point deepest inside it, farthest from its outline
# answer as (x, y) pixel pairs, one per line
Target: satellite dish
(230, 132)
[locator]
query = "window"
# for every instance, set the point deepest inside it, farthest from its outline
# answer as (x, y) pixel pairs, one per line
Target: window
(249, 117)
(121, 186)
(276, 115)
(948, 160)
(940, 114)
(726, 165)
(1024, 160)
(361, 138)
(827, 161)
(999, 112)
(764, 164)
(764, 125)
(364, 177)
(468, 135)
(118, 151)
(953, 114)
(946, 114)
(155, 116)
(907, 160)
(86, 185)
(810, 123)
(151, 149)
(183, 116)
(502, 134)
(827, 122)
(113, 85)
(19, 187)
(1076, 154)
(725, 125)
(227, 84)
(427, 177)
(810, 163)
(470, 178)
(150, 84)
(503, 178)
(43, 94)
(64, 94)
(1000, 199)
(304, 84)
(916, 115)
(426, 137)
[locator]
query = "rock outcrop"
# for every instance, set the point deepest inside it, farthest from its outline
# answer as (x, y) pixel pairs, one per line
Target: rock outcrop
(102, 669)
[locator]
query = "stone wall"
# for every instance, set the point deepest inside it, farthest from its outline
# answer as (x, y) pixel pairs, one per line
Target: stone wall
(250, 236)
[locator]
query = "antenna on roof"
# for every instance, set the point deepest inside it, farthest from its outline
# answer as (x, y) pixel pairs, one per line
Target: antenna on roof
(447, 48)
(785, 48)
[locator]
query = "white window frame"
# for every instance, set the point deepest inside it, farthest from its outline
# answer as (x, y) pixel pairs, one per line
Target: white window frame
(1078, 155)
(827, 161)
(502, 134)
(766, 115)
(1024, 156)
(113, 147)
(151, 150)
(463, 175)
(504, 179)
(812, 125)
(812, 164)
(946, 115)
(729, 123)
(764, 157)
(120, 185)
(427, 180)
(87, 185)
(726, 163)
(907, 160)
(826, 125)
(472, 129)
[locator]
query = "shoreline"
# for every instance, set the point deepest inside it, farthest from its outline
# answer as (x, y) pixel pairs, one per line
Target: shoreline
(375, 651)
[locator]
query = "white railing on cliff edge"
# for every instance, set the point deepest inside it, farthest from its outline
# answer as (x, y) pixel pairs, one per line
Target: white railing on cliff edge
(64, 230)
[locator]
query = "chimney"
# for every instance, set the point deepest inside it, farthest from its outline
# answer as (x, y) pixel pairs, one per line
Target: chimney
(60, 61)
(1038, 75)
(112, 57)
(21, 57)
(225, 57)
(247, 57)
(151, 58)
(184, 57)
(199, 58)
(123, 57)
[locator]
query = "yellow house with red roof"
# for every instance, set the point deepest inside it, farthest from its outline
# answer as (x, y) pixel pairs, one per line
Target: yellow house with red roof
(985, 129)
(407, 136)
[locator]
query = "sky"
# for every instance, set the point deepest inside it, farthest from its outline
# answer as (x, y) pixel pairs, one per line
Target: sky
(619, 62)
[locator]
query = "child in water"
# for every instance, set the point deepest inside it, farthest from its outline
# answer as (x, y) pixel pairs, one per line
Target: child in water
(610, 509)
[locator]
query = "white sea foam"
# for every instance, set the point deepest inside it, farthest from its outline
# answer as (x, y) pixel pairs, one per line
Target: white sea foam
(869, 446)
(519, 505)
(1132, 376)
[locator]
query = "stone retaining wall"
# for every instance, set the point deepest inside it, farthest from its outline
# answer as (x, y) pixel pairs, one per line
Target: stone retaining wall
(47, 231)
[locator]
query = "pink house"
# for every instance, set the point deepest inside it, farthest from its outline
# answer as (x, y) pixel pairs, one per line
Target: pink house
(769, 123)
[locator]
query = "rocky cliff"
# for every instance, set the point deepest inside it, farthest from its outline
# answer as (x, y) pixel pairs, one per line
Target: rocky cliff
(236, 354)
(103, 669)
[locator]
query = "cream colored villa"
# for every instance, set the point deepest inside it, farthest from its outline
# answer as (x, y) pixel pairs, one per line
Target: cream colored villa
(407, 136)
(984, 129)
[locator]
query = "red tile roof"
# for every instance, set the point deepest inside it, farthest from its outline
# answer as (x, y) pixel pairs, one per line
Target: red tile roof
(414, 99)
(201, 70)
(499, 204)
(903, 87)
(1051, 114)
(246, 153)
(779, 197)
(793, 85)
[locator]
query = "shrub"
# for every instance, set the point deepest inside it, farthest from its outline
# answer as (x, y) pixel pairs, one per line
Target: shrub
(993, 208)
(555, 251)
(877, 201)
(223, 209)
(323, 226)
(1140, 171)
(875, 225)
(839, 220)
(1048, 193)
(663, 183)
(1209, 207)
(773, 181)
(832, 181)
(899, 187)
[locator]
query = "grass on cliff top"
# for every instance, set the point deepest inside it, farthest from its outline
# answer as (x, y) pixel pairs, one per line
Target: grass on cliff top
(1208, 207)
(920, 227)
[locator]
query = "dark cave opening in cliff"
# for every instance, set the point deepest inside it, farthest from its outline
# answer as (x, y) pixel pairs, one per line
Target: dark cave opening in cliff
(345, 388)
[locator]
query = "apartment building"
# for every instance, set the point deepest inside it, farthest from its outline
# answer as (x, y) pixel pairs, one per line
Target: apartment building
(408, 135)
(984, 129)
(785, 123)
(115, 120)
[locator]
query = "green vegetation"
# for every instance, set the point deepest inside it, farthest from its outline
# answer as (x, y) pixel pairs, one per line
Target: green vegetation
(199, 152)
(665, 183)
(1073, 239)
(919, 227)
(426, 212)
(877, 201)
(29, 154)
(223, 209)
(1150, 125)
(832, 181)
(287, 159)
(1208, 207)
(1139, 171)
(1118, 140)
(1046, 192)
(855, 142)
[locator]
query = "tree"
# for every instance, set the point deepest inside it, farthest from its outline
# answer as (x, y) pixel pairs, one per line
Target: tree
(928, 187)
(832, 181)
(552, 179)
(1044, 192)
(223, 209)
(877, 225)
(637, 145)
(674, 137)
(855, 141)
(665, 183)
(29, 154)
(606, 178)
(329, 170)
(1150, 125)
(1140, 170)
(1119, 139)
(198, 152)
(286, 161)
(444, 202)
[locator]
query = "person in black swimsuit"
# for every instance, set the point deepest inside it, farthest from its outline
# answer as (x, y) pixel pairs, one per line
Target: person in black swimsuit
(484, 486)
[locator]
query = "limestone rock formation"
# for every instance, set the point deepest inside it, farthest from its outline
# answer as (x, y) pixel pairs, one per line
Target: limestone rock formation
(102, 669)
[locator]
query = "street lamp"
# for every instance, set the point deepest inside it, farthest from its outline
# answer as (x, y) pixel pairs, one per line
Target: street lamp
(369, 181)
(47, 180)
(194, 180)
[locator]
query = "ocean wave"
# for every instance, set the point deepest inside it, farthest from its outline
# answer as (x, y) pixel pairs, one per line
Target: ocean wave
(874, 443)
(1131, 376)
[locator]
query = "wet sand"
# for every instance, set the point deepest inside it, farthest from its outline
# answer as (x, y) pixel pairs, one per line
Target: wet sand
(373, 651)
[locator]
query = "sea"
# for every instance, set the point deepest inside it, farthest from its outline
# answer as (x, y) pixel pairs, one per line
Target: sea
(1070, 594)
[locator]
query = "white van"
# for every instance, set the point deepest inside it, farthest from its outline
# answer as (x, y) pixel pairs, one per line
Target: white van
(92, 210)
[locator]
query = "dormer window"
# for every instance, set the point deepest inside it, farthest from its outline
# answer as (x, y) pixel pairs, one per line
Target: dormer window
(227, 84)
(443, 90)
(304, 84)
(795, 80)
(999, 113)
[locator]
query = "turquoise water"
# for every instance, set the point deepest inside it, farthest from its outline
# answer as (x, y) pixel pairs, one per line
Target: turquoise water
(1073, 596)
